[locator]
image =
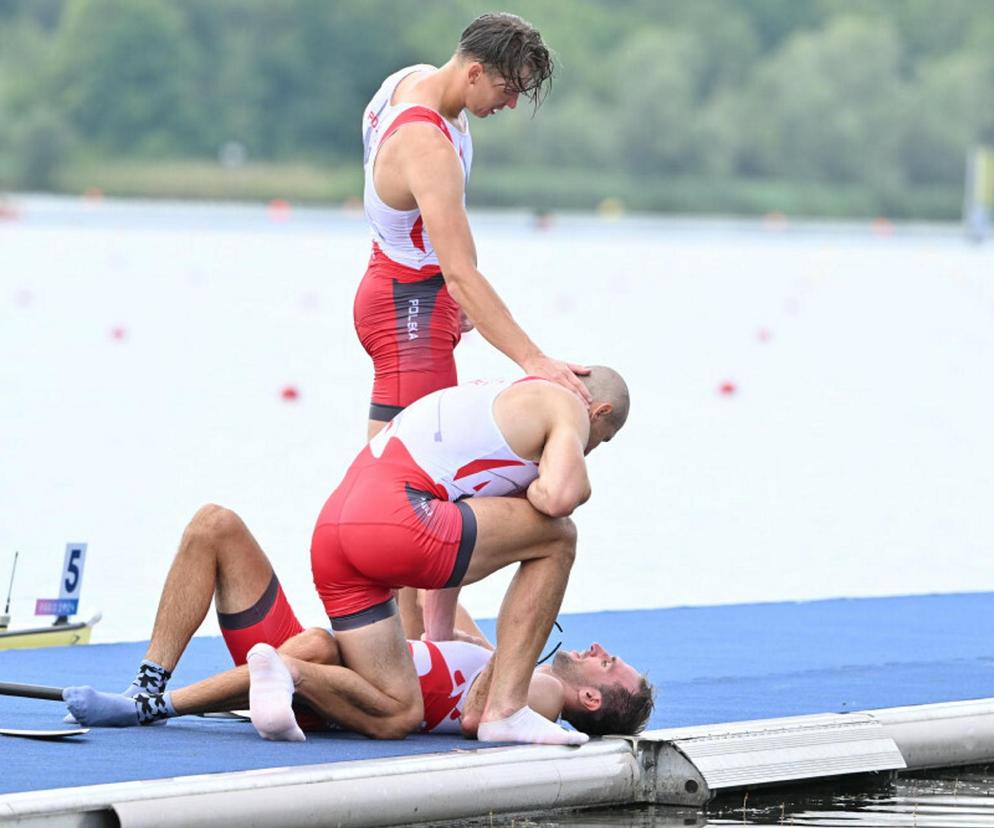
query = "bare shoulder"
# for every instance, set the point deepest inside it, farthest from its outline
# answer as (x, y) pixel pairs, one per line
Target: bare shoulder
(418, 139)
(560, 404)
(541, 399)
(528, 412)
(415, 164)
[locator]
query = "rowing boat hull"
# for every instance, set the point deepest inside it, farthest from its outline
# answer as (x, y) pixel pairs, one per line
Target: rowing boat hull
(62, 636)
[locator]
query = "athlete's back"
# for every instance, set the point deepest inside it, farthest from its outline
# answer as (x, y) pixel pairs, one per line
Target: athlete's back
(452, 437)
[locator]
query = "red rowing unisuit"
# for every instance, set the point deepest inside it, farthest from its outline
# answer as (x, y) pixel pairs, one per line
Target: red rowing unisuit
(399, 518)
(404, 316)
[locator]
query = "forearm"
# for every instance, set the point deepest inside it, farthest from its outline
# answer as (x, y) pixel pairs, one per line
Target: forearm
(410, 605)
(225, 691)
(469, 629)
(342, 696)
(229, 690)
(551, 501)
(440, 613)
(487, 311)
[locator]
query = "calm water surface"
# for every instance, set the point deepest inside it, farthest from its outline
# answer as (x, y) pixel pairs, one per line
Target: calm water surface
(811, 405)
(953, 798)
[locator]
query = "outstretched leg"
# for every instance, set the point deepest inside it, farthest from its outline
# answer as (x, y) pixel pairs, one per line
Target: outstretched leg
(217, 558)
(224, 691)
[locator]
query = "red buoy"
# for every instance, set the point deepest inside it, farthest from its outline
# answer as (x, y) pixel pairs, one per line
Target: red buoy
(279, 209)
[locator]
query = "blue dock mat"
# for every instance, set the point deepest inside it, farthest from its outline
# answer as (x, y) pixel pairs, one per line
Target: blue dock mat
(710, 664)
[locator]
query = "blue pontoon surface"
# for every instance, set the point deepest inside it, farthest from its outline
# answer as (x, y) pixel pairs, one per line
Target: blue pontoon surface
(710, 664)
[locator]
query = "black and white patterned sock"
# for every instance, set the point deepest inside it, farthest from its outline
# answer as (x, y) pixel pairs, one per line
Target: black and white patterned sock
(154, 706)
(151, 678)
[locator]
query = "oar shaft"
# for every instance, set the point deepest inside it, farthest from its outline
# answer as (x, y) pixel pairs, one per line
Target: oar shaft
(31, 691)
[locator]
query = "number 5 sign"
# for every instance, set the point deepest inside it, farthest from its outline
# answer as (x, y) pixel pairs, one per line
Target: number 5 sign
(72, 571)
(72, 581)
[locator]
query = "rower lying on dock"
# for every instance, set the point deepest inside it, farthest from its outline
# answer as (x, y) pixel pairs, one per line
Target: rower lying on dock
(591, 690)
(595, 691)
(462, 483)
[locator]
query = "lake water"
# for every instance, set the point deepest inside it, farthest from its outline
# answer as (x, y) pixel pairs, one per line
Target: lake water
(955, 798)
(144, 349)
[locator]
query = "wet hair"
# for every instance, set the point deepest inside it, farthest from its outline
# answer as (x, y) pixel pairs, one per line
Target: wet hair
(512, 48)
(621, 713)
(607, 385)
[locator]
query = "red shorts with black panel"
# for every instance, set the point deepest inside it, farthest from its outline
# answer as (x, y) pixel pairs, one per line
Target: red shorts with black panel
(388, 525)
(270, 620)
(409, 324)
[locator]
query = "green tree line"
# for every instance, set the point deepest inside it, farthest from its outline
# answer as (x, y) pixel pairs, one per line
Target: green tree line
(832, 107)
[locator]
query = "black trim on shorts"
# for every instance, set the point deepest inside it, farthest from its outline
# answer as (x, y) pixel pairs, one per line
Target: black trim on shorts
(363, 618)
(384, 413)
(467, 542)
(255, 613)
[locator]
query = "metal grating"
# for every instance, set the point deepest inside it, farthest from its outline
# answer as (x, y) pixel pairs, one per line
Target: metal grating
(780, 753)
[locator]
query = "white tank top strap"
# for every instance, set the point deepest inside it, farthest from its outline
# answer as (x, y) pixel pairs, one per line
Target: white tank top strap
(400, 234)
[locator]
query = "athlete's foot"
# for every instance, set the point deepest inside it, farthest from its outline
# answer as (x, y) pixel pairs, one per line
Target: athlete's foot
(151, 679)
(92, 708)
(271, 696)
(528, 726)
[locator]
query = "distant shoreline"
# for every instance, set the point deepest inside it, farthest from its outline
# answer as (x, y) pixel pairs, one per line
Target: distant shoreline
(537, 189)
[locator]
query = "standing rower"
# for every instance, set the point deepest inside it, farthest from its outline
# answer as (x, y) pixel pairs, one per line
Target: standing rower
(422, 288)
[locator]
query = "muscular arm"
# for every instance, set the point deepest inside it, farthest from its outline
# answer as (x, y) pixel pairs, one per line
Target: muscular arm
(440, 613)
(412, 603)
(432, 173)
(562, 483)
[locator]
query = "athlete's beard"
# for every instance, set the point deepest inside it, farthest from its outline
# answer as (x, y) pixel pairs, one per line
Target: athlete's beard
(565, 669)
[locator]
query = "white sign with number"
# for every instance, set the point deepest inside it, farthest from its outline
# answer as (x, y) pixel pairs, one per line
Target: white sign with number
(72, 571)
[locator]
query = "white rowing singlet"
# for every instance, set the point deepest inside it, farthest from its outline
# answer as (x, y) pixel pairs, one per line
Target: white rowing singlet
(453, 437)
(446, 670)
(400, 234)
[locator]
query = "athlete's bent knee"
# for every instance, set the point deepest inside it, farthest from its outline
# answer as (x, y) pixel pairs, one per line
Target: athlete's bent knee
(567, 531)
(565, 545)
(315, 645)
(213, 522)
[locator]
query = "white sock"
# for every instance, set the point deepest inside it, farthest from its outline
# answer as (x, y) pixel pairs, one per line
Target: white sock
(271, 696)
(528, 726)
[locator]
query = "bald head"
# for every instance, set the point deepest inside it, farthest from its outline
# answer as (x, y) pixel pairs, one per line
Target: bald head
(607, 386)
